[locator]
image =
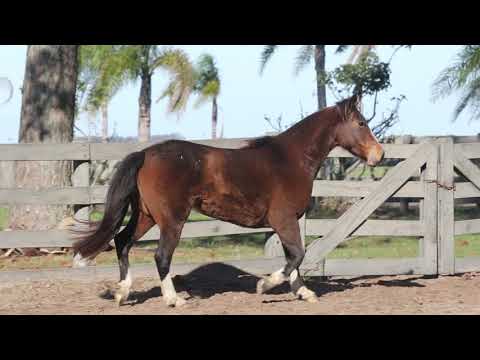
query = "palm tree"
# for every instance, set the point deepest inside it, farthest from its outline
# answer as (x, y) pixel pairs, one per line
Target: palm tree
(113, 66)
(305, 55)
(90, 98)
(464, 76)
(206, 86)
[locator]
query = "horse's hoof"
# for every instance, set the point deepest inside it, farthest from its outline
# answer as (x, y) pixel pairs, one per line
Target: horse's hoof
(175, 302)
(120, 298)
(261, 286)
(312, 299)
(307, 295)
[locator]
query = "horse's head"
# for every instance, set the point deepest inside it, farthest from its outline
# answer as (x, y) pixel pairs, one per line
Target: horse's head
(354, 135)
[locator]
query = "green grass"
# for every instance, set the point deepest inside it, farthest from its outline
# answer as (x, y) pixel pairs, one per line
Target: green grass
(467, 245)
(378, 172)
(376, 247)
(3, 218)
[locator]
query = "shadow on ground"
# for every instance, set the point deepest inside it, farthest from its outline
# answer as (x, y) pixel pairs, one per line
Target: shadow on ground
(217, 278)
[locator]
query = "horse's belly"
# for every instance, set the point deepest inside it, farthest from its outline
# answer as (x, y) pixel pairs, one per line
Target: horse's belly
(234, 210)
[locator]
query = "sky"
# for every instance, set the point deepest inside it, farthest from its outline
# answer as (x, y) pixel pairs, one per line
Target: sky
(246, 97)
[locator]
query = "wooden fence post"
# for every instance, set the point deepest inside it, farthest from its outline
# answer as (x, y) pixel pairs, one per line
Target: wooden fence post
(273, 246)
(446, 221)
(81, 178)
(429, 215)
(404, 203)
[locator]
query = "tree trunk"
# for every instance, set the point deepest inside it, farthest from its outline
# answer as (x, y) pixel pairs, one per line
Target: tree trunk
(47, 116)
(104, 123)
(320, 70)
(145, 105)
(320, 54)
(214, 118)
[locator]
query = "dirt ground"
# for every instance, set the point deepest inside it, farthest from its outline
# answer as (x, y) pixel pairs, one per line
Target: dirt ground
(219, 289)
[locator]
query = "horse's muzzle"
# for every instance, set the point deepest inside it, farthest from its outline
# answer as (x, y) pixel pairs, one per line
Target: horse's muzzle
(375, 156)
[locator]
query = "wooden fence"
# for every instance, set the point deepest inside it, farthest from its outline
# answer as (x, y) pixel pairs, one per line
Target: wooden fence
(425, 172)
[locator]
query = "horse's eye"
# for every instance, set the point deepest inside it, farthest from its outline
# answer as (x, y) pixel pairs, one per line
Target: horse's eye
(362, 124)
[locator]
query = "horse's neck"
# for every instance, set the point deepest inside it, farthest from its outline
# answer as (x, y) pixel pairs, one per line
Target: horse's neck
(311, 140)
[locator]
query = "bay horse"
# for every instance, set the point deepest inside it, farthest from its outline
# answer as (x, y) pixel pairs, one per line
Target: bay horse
(267, 183)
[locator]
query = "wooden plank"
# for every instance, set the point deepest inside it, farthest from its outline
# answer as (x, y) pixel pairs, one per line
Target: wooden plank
(205, 229)
(467, 227)
(34, 239)
(115, 151)
(53, 196)
(466, 190)
(61, 238)
(224, 143)
(366, 267)
(216, 228)
(344, 188)
(429, 215)
(98, 194)
(369, 228)
(358, 213)
(456, 139)
(34, 152)
(468, 169)
(273, 247)
(469, 150)
(467, 264)
(392, 151)
(421, 213)
(446, 243)
(412, 189)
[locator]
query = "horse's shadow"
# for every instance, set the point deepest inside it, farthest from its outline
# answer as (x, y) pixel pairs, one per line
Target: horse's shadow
(218, 278)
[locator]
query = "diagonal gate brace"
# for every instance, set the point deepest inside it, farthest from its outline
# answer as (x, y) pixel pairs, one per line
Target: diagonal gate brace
(359, 213)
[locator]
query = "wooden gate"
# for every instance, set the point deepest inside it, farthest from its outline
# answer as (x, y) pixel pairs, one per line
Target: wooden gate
(456, 160)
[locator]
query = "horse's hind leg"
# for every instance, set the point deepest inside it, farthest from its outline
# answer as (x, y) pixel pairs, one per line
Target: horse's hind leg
(139, 224)
(289, 233)
(169, 238)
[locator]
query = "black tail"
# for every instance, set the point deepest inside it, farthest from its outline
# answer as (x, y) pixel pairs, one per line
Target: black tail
(122, 192)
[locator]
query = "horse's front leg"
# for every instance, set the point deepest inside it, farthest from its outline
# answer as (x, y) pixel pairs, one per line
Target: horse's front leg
(289, 233)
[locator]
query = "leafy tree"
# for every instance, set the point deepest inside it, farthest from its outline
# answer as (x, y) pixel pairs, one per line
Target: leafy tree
(107, 68)
(306, 54)
(206, 86)
(462, 76)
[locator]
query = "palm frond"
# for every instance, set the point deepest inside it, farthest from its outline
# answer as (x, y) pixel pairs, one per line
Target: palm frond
(182, 78)
(463, 75)
(207, 76)
(208, 92)
(304, 57)
(104, 69)
(341, 49)
(266, 55)
(471, 99)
